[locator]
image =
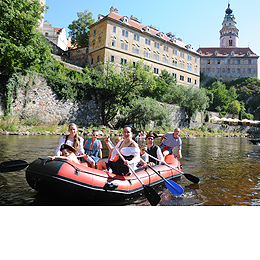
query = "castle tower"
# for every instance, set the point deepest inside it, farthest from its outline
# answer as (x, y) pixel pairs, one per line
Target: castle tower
(229, 31)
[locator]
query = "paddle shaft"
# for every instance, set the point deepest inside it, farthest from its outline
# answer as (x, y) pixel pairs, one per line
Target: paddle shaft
(187, 175)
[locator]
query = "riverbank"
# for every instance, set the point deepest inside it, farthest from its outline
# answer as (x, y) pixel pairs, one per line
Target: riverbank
(186, 133)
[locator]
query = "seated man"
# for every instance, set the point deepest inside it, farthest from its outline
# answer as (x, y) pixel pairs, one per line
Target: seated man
(169, 141)
(153, 149)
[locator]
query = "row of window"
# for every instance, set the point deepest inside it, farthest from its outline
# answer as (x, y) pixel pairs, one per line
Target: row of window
(125, 33)
(228, 70)
(234, 61)
(156, 56)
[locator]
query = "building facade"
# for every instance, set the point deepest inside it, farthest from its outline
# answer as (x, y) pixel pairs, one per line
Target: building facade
(228, 62)
(55, 35)
(121, 40)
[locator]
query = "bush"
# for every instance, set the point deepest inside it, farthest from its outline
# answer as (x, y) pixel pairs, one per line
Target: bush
(204, 128)
(10, 123)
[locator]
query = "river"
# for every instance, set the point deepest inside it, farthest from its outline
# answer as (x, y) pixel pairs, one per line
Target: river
(228, 169)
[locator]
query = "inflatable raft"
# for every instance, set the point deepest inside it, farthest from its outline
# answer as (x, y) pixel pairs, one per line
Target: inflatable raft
(80, 181)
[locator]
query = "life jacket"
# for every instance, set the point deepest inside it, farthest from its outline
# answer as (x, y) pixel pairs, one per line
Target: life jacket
(153, 152)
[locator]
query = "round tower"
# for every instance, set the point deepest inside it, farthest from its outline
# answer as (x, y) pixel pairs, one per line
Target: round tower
(229, 31)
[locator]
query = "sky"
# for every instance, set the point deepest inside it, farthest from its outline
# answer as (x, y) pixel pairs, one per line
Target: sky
(197, 22)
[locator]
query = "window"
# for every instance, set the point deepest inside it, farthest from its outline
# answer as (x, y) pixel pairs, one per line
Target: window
(174, 63)
(156, 70)
(113, 43)
(156, 56)
(182, 65)
(208, 62)
(238, 70)
(46, 34)
(165, 60)
(114, 29)
(125, 33)
(196, 70)
(134, 64)
(228, 62)
(195, 82)
(249, 61)
(182, 55)
(189, 80)
(136, 37)
(208, 70)
(238, 62)
(156, 45)
(174, 52)
(112, 58)
(92, 61)
(98, 58)
(228, 70)
(147, 54)
(147, 41)
(218, 61)
(181, 78)
(196, 60)
(94, 33)
(189, 68)
(230, 42)
(135, 50)
(249, 70)
(123, 61)
(124, 46)
(174, 75)
(190, 57)
(165, 48)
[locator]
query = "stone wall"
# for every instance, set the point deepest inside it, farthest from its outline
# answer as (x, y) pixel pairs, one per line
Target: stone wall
(39, 101)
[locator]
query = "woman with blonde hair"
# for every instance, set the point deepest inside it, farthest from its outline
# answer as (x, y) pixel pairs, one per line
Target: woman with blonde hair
(73, 139)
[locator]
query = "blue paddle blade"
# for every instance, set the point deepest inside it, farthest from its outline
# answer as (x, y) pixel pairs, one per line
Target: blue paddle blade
(173, 187)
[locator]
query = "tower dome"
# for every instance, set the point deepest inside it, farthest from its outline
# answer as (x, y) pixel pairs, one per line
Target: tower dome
(229, 31)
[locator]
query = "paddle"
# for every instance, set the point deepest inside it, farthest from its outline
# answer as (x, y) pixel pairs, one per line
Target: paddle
(12, 166)
(190, 177)
(152, 196)
(172, 186)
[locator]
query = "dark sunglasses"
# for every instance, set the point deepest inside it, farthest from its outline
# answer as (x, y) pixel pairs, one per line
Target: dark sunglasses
(150, 138)
(94, 135)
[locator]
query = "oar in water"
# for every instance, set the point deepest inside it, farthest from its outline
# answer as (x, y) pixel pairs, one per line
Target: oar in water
(152, 196)
(12, 166)
(172, 186)
(190, 177)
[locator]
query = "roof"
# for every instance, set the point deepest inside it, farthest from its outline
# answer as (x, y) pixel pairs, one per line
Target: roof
(150, 30)
(58, 30)
(226, 52)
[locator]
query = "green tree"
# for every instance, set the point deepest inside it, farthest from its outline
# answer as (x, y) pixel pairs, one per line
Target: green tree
(234, 107)
(22, 46)
(79, 31)
(142, 111)
(113, 89)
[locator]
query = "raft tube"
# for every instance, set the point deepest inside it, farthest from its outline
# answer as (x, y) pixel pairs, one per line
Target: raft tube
(82, 182)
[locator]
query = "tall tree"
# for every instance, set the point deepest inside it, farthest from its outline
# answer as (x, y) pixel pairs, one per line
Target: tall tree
(79, 31)
(21, 44)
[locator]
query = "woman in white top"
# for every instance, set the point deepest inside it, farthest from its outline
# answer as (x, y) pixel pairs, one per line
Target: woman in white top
(72, 139)
(128, 148)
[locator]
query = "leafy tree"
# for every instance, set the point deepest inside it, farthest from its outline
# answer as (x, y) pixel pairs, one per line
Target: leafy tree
(221, 98)
(142, 111)
(113, 89)
(79, 31)
(234, 107)
(21, 44)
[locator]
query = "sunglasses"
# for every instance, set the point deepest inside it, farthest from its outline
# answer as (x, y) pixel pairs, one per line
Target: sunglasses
(150, 138)
(94, 135)
(127, 126)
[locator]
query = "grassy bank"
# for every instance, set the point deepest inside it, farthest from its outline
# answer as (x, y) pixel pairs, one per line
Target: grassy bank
(13, 125)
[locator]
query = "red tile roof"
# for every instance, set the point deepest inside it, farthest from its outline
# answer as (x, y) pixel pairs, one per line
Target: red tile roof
(225, 52)
(58, 30)
(153, 32)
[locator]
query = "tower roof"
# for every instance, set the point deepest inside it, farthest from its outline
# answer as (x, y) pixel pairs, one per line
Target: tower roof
(229, 10)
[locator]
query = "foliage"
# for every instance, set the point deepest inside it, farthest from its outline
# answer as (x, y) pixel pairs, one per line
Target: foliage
(79, 31)
(142, 111)
(113, 89)
(21, 44)
(10, 123)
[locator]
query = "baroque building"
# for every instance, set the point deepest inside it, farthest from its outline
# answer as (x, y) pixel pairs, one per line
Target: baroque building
(228, 62)
(121, 40)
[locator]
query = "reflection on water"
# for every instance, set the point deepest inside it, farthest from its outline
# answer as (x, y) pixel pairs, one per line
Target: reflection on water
(227, 167)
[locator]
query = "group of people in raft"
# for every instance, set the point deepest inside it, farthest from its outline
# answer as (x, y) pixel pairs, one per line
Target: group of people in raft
(71, 147)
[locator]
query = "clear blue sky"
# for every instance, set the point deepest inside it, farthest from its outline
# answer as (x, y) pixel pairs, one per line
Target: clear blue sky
(197, 22)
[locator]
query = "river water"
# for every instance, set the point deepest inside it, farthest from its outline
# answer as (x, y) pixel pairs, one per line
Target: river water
(228, 168)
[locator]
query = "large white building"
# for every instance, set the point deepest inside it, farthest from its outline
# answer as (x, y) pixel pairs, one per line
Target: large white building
(228, 62)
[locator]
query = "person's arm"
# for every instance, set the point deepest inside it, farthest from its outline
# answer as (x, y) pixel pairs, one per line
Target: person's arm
(58, 152)
(179, 153)
(81, 149)
(58, 157)
(160, 155)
